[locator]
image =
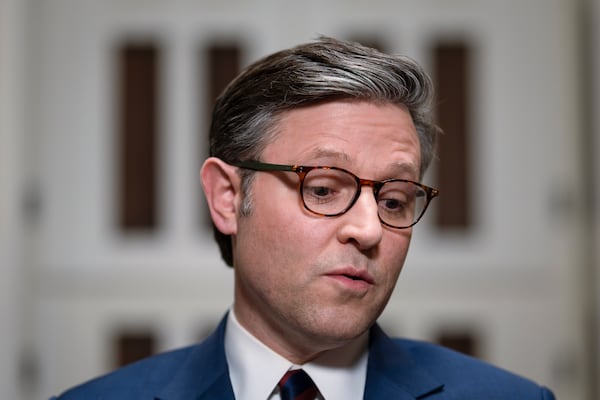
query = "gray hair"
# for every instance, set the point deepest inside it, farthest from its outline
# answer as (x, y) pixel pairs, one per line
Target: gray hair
(246, 114)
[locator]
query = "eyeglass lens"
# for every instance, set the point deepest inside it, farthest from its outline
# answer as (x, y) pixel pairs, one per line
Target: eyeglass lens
(332, 192)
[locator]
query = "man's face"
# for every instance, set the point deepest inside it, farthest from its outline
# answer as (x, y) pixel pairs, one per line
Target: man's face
(305, 283)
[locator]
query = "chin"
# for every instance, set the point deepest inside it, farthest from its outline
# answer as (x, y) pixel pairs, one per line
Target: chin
(342, 329)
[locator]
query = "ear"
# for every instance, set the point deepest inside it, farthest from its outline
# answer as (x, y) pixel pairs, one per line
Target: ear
(221, 185)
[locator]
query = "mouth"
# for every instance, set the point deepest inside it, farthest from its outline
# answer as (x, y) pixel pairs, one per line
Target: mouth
(353, 278)
(359, 277)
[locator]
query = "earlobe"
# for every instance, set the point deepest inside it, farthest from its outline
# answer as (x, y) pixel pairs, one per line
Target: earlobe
(221, 185)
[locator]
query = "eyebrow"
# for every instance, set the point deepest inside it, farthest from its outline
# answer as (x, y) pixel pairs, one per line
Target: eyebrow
(404, 169)
(329, 154)
(398, 169)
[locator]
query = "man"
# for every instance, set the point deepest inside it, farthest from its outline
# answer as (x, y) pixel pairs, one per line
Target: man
(313, 186)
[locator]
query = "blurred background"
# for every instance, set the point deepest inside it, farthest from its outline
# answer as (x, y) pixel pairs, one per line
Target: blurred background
(106, 251)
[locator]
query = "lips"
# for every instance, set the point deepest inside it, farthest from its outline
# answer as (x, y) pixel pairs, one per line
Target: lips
(352, 274)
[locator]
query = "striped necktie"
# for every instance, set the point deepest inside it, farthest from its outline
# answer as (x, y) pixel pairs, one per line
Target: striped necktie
(297, 385)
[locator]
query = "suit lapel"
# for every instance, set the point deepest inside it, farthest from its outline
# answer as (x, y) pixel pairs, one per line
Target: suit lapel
(204, 374)
(393, 374)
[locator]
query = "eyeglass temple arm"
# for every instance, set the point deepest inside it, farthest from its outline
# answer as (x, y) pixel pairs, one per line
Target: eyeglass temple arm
(259, 166)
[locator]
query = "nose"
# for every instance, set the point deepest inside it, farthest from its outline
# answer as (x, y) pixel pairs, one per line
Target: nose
(361, 225)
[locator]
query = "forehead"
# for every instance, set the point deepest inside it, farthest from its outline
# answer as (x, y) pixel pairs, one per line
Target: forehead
(348, 134)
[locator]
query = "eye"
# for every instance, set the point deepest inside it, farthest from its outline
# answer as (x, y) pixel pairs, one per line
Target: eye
(318, 191)
(392, 204)
(328, 190)
(396, 197)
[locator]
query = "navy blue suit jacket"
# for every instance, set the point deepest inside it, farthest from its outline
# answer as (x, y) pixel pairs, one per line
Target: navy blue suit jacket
(397, 369)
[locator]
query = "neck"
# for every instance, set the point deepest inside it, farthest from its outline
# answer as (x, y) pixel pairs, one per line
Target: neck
(299, 349)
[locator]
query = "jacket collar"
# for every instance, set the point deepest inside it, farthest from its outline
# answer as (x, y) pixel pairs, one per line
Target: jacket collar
(204, 374)
(391, 372)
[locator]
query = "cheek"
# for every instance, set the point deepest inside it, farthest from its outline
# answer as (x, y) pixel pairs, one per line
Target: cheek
(282, 219)
(277, 234)
(394, 253)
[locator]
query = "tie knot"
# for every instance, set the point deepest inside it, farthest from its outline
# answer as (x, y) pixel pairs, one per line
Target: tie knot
(297, 385)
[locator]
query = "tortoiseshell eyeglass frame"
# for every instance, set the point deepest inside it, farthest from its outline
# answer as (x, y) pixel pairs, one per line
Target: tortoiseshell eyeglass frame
(302, 170)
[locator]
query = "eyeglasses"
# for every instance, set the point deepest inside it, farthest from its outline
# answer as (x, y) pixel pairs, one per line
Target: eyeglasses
(331, 191)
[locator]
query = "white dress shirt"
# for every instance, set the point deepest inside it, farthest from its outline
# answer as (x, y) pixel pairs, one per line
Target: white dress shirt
(255, 369)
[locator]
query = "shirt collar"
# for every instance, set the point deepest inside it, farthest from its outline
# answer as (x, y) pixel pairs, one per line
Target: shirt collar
(255, 369)
(341, 373)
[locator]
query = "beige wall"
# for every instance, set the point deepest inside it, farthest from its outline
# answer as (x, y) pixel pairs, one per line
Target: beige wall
(71, 280)
(11, 229)
(595, 78)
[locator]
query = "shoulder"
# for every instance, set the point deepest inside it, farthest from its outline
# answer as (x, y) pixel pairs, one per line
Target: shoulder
(462, 374)
(132, 381)
(181, 372)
